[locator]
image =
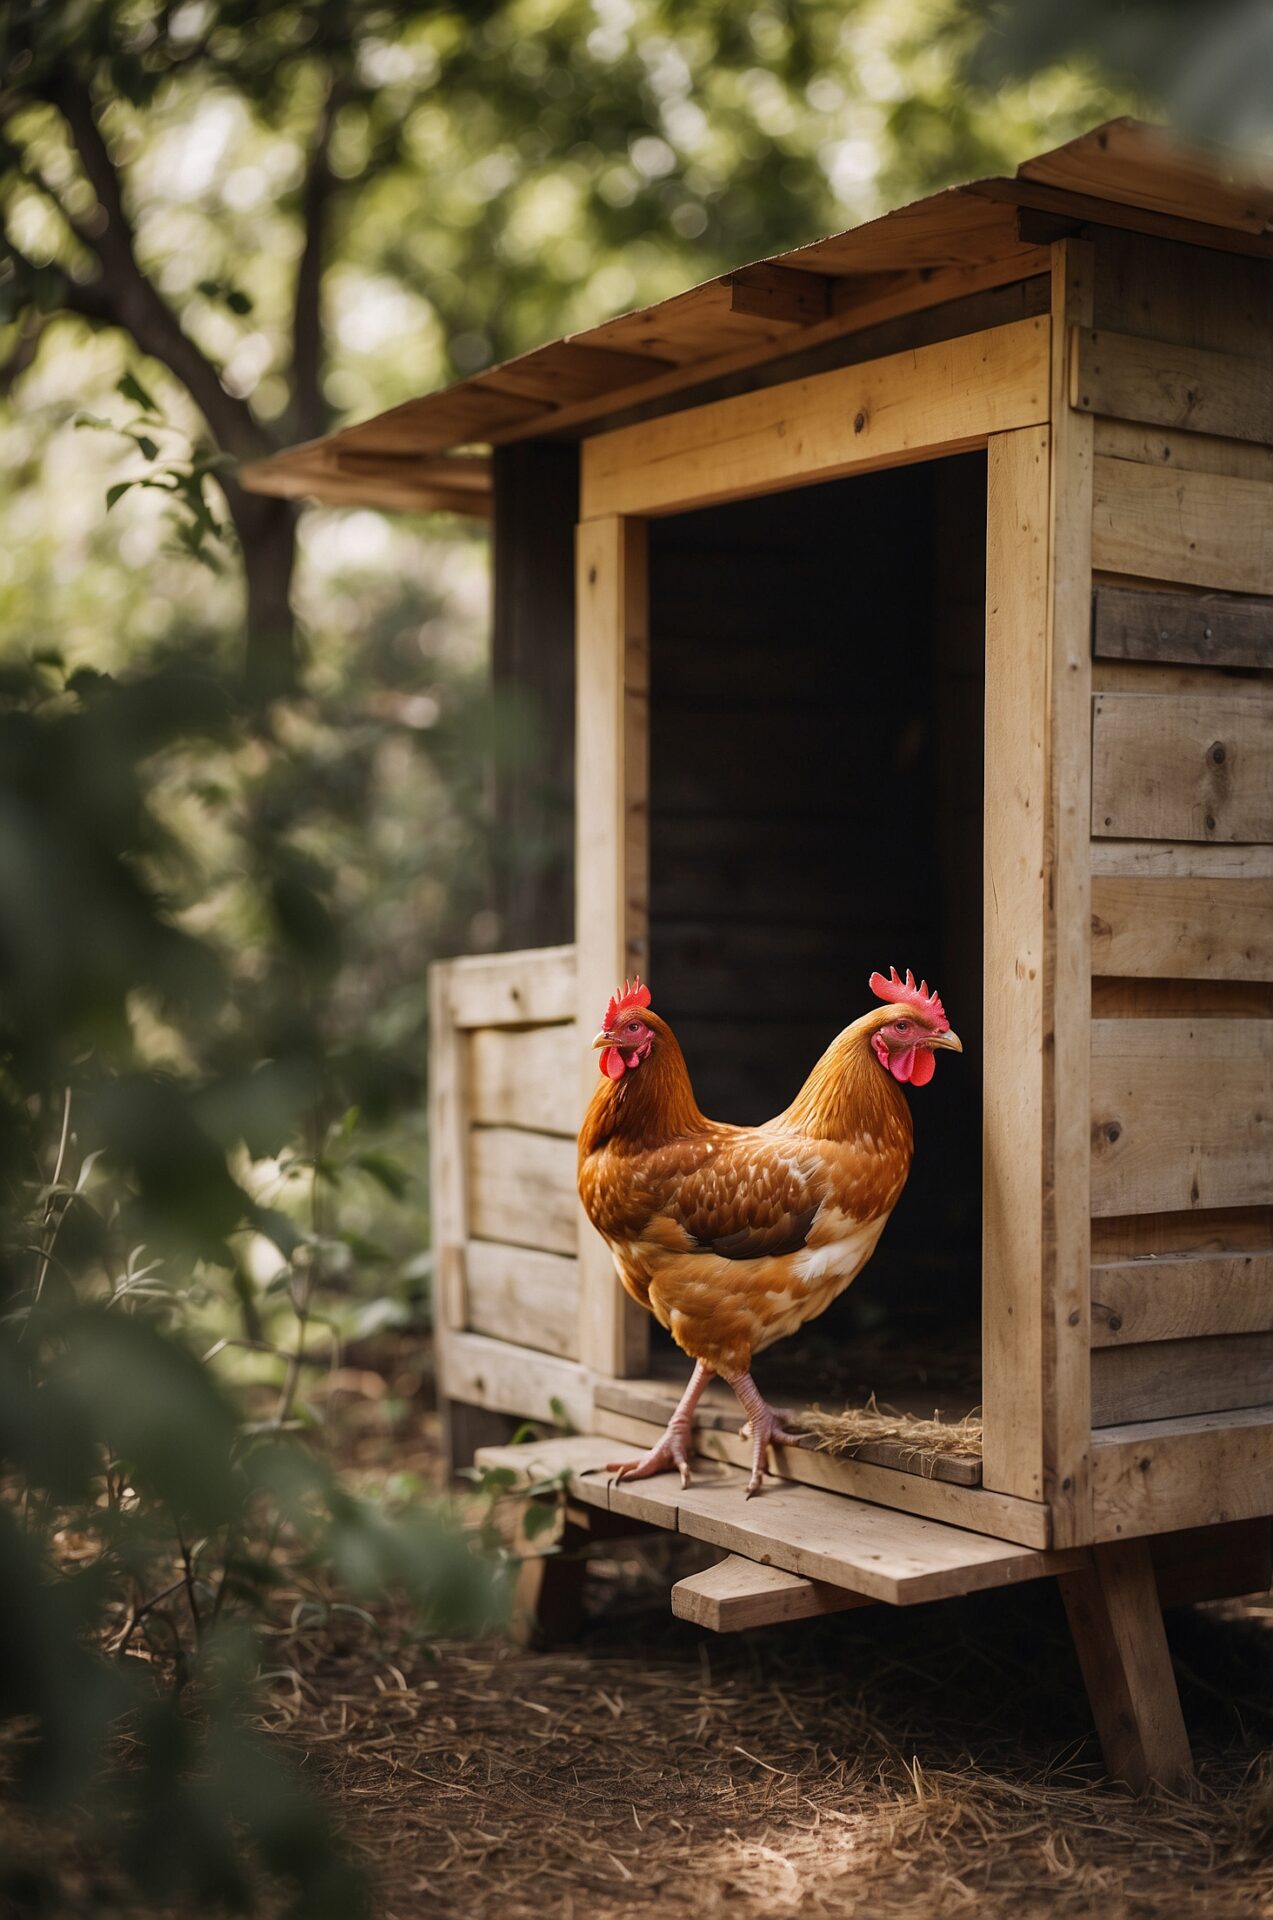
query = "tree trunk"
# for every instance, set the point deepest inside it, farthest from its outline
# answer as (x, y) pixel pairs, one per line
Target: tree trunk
(267, 536)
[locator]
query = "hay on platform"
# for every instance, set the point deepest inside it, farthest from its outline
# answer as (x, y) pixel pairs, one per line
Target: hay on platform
(847, 1430)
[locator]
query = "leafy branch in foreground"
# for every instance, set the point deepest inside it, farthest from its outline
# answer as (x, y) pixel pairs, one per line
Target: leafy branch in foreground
(151, 1523)
(175, 468)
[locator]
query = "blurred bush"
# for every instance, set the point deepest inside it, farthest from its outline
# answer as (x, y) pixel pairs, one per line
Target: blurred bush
(150, 1509)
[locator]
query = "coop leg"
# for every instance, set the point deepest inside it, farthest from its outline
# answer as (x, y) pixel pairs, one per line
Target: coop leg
(1116, 1620)
(466, 1428)
(548, 1599)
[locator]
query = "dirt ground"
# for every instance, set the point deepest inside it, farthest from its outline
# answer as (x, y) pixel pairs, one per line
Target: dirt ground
(883, 1763)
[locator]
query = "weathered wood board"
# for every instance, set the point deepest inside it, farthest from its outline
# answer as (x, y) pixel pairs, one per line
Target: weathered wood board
(1182, 766)
(1132, 378)
(1163, 1378)
(524, 1077)
(998, 1514)
(737, 1594)
(1156, 1475)
(521, 1189)
(1188, 629)
(1016, 732)
(507, 1379)
(1206, 529)
(523, 1295)
(822, 1536)
(1182, 1114)
(1179, 1297)
(1200, 927)
(503, 989)
(1116, 1620)
(912, 405)
(654, 1400)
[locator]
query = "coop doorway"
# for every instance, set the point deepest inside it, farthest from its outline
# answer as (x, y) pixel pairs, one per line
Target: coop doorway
(816, 663)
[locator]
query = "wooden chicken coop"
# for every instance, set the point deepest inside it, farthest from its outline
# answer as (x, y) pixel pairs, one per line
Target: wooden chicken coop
(906, 598)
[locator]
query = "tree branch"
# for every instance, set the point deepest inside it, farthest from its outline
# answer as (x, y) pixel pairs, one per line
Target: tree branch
(309, 409)
(134, 303)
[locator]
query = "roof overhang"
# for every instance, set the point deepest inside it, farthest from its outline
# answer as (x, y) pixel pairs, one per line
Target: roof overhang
(1124, 174)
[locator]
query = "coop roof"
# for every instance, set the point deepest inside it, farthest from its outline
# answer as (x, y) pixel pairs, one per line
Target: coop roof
(429, 452)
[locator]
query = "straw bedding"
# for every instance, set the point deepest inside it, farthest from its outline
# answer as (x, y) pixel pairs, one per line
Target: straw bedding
(881, 1765)
(892, 1766)
(847, 1430)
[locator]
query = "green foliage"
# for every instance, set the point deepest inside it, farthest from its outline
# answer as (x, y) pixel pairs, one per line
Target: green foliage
(183, 473)
(1210, 68)
(152, 1512)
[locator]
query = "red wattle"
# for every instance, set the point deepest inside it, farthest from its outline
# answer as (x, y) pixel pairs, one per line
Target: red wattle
(924, 1068)
(612, 1063)
(902, 1065)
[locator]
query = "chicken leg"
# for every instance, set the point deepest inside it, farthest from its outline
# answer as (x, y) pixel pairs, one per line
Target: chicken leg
(768, 1428)
(673, 1450)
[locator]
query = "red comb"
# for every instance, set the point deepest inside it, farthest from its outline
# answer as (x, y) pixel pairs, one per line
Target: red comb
(629, 996)
(906, 992)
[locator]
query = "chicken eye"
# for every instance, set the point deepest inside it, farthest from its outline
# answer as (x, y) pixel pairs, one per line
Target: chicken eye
(634, 1026)
(903, 1026)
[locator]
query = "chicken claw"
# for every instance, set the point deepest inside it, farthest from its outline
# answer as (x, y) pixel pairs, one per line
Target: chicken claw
(766, 1427)
(670, 1451)
(673, 1450)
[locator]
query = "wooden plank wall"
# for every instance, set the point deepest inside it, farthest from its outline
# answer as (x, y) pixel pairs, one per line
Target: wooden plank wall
(1177, 368)
(504, 1112)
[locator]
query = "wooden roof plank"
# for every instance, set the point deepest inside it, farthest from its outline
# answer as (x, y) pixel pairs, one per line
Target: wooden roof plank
(958, 241)
(1129, 161)
(569, 370)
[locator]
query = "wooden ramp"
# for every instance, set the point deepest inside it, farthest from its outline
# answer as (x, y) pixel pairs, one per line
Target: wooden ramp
(830, 1538)
(737, 1593)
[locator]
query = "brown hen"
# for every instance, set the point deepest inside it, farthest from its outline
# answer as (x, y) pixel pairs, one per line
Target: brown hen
(733, 1237)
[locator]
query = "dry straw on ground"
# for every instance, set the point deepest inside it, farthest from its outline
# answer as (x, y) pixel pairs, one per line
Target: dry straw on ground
(876, 1768)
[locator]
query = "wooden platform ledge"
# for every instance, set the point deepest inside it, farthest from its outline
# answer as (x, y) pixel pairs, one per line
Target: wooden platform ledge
(870, 1550)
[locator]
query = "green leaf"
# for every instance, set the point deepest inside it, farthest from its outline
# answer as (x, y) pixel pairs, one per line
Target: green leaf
(132, 389)
(117, 492)
(538, 1519)
(148, 448)
(383, 1168)
(156, 1407)
(558, 1410)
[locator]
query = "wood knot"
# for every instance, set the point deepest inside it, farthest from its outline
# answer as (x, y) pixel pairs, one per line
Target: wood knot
(859, 422)
(1215, 754)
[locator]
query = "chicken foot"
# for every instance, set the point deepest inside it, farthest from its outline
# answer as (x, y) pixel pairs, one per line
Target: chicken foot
(767, 1425)
(673, 1449)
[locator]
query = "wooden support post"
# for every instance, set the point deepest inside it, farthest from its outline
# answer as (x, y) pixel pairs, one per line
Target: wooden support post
(1116, 1619)
(1036, 1287)
(465, 1428)
(611, 861)
(548, 1595)
(548, 1599)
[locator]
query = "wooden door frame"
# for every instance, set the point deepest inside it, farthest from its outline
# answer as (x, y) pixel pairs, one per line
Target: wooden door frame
(994, 390)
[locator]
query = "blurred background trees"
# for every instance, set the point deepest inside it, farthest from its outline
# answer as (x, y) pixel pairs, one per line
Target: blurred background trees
(243, 751)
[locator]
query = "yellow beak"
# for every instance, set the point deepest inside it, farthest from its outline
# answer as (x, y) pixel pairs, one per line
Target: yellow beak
(602, 1039)
(950, 1040)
